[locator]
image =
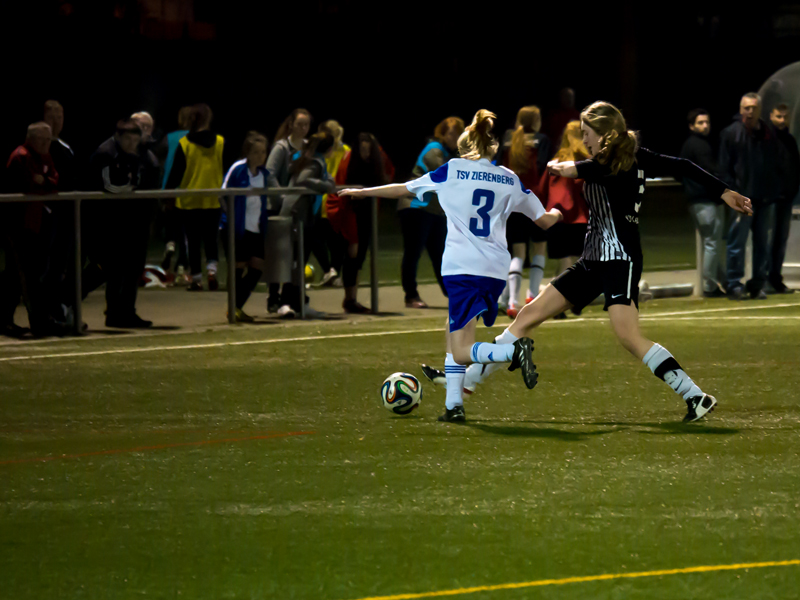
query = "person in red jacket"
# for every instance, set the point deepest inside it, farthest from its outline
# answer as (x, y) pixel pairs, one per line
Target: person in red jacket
(366, 165)
(30, 170)
(565, 239)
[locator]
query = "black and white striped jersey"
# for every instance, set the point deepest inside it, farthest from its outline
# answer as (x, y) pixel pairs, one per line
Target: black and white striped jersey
(614, 201)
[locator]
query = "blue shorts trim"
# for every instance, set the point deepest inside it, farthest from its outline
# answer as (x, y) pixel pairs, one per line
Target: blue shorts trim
(472, 296)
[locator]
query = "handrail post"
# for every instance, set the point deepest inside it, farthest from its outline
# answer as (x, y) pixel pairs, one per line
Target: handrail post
(301, 264)
(231, 242)
(698, 253)
(373, 259)
(77, 312)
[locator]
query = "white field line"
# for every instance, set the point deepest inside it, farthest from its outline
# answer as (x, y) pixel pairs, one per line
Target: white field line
(683, 316)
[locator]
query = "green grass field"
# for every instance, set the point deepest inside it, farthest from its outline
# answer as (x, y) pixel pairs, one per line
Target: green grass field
(248, 467)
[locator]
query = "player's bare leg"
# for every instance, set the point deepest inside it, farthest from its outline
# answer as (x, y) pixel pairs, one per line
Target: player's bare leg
(625, 323)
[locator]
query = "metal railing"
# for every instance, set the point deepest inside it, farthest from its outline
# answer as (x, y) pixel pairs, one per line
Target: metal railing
(78, 197)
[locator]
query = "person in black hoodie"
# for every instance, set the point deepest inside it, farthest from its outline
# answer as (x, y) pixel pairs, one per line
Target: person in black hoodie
(783, 207)
(309, 171)
(753, 161)
(708, 215)
(117, 230)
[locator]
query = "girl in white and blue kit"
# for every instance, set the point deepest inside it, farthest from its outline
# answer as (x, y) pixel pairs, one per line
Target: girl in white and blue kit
(477, 198)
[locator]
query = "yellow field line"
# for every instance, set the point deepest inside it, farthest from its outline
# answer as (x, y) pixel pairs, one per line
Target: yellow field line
(606, 577)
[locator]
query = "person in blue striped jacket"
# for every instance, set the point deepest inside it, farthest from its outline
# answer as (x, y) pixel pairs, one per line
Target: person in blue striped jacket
(250, 218)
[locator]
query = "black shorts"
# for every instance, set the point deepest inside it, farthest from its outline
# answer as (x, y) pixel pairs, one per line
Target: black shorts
(250, 245)
(520, 229)
(584, 281)
(565, 240)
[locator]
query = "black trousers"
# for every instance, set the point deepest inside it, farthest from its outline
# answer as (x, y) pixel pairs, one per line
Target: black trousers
(364, 227)
(26, 261)
(116, 248)
(202, 229)
(421, 229)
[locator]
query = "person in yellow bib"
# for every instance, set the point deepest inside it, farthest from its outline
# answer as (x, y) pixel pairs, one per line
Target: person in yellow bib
(198, 166)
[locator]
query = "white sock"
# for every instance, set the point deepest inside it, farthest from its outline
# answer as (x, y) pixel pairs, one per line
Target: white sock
(454, 373)
(211, 267)
(503, 301)
(664, 366)
(536, 274)
(491, 353)
(514, 281)
(478, 372)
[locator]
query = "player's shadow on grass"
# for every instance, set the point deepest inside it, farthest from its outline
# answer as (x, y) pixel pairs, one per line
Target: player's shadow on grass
(542, 432)
(672, 428)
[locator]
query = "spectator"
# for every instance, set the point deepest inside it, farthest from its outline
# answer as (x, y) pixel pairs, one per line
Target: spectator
(752, 161)
(250, 224)
(783, 207)
(58, 282)
(565, 238)
(525, 151)
(310, 171)
(146, 123)
(707, 214)
(351, 218)
(290, 139)
(198, 166)
(565, 113)
(331, 240)
(118, 230)
(29, 170)
(426, 226)
(173, 228)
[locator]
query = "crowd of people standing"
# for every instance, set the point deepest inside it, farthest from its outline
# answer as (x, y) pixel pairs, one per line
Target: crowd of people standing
(756, 156)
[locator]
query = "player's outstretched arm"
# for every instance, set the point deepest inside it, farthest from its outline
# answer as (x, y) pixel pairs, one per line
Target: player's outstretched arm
(562, 169)
(738, 202)
(550, 218)
(394, 190)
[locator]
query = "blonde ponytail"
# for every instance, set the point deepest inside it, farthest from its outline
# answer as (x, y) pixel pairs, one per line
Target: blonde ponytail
(477, 140)
(618, 145)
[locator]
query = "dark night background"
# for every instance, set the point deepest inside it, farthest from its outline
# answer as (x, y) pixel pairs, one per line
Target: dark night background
(394, 69)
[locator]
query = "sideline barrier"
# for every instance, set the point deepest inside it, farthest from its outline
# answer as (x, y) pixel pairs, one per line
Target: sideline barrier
(78, 197)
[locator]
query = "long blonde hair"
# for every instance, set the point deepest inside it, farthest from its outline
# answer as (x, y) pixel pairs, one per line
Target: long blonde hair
(572, 148)
(477, 140)
(529, 120)
(618, 144)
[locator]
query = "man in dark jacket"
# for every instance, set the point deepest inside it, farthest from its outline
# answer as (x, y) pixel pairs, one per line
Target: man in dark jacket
(58, 282)
(117, 230)
(783, 207)
(752, 162)
(708, 215)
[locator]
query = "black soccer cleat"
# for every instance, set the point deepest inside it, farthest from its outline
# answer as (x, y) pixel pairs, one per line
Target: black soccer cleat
(454, 415)
(698, 407)
(434, 375)
(522, 360)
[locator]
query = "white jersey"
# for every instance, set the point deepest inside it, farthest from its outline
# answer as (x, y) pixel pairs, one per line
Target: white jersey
(477, 197)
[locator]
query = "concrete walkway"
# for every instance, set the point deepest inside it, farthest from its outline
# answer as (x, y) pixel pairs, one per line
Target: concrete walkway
(175, 309)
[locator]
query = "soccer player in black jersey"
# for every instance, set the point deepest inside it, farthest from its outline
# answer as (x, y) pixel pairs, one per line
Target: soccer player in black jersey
(611, 264)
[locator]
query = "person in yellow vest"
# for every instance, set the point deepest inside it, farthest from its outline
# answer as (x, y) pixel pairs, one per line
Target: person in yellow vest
(198, 166)
(330, 241)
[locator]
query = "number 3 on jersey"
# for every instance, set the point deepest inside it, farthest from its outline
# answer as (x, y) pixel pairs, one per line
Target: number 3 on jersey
(485, 200)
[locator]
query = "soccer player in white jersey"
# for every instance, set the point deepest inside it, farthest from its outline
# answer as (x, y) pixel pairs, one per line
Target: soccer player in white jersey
(614, 183)
(477, 198)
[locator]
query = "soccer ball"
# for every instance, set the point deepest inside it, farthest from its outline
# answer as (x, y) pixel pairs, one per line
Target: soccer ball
(401, 393)
(309, 272)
